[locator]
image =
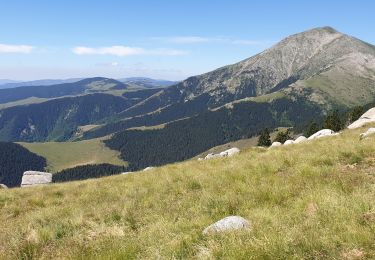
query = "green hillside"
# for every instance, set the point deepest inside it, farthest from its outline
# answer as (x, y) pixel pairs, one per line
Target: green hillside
(314, 200)
(64, 155)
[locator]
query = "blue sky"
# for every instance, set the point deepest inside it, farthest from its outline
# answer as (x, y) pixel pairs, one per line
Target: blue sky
(160, 39)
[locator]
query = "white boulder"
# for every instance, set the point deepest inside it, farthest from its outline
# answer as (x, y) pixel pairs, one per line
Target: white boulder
(124, 173)
(300, 139)
(148, 168)
(3, 186)
(228, 224)
(368, 117)
(33, 178)
(276, 144)
(288, 142)
(321, 133)
(211, 156)
(230, 152)
(369, 132)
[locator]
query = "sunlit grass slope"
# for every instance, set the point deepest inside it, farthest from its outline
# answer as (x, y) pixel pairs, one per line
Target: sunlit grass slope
(314, 200)
(63, 155)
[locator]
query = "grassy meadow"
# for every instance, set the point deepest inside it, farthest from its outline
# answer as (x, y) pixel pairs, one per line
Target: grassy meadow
(64, 155)
(314, 200)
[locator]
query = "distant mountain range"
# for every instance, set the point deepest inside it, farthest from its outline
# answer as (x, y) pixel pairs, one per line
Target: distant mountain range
(43, 82)
(137, 81)
(296, 81)
(148, 83)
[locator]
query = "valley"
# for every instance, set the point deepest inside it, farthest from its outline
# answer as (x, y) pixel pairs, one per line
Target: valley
(187, 130)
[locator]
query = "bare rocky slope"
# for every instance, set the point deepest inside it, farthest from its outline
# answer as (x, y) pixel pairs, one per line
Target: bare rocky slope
(321, 65)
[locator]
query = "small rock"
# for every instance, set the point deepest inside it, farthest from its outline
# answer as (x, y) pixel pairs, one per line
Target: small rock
(200, 159)
(3, 186)
(300, 139)
(288, 142)
(148, 168)
(276, 144)
(322, 133)
(228, 224)
(124, 173)
(32, 178)
(369, 132)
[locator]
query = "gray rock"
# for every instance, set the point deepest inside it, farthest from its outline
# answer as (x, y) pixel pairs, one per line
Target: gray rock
(368, 117)
(230, 223)
(369, 132)
(230, 152)
(276, 144)
(322, 133)
(300, 139)
(211, 156)
(3, 186)
(33, 178)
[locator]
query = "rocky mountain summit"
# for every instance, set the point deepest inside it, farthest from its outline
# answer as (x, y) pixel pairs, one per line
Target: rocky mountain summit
(322, 60)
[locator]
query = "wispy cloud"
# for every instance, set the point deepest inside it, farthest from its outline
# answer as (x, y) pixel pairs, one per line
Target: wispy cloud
(6, 48)
(123, 51)
(187, 39)
(222, 40)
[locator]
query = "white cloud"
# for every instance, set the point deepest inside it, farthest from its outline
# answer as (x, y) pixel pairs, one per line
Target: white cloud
(6, 48)
(123, 51)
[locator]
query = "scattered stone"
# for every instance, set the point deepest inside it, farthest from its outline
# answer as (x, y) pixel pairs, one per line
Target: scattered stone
(211, 156)
(369, 132)
(124, 173)
(288, 142)
(200, 159)
(300, 139)
(226, 153)
(276, 144)
(368, 117)
(3, 186)
(33, 178)
(322, 133)
(230, 152)
(148, 168)
(228, 224)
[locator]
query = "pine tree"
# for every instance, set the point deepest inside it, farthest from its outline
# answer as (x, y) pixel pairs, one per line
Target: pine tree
(333, 121)
(355, 113)
(264, 138)
(282, 136)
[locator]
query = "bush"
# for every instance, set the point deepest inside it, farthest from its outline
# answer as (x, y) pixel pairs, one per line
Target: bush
(264, 138)
(282, 136)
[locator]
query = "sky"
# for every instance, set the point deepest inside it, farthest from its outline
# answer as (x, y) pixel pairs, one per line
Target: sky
(44, 39)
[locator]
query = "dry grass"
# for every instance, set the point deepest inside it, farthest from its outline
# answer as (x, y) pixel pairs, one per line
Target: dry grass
(314, 200)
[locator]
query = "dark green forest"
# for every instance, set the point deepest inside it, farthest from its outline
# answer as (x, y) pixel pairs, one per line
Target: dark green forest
(57, 119)
(87, 172)
(186, 138)
(15, 160)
